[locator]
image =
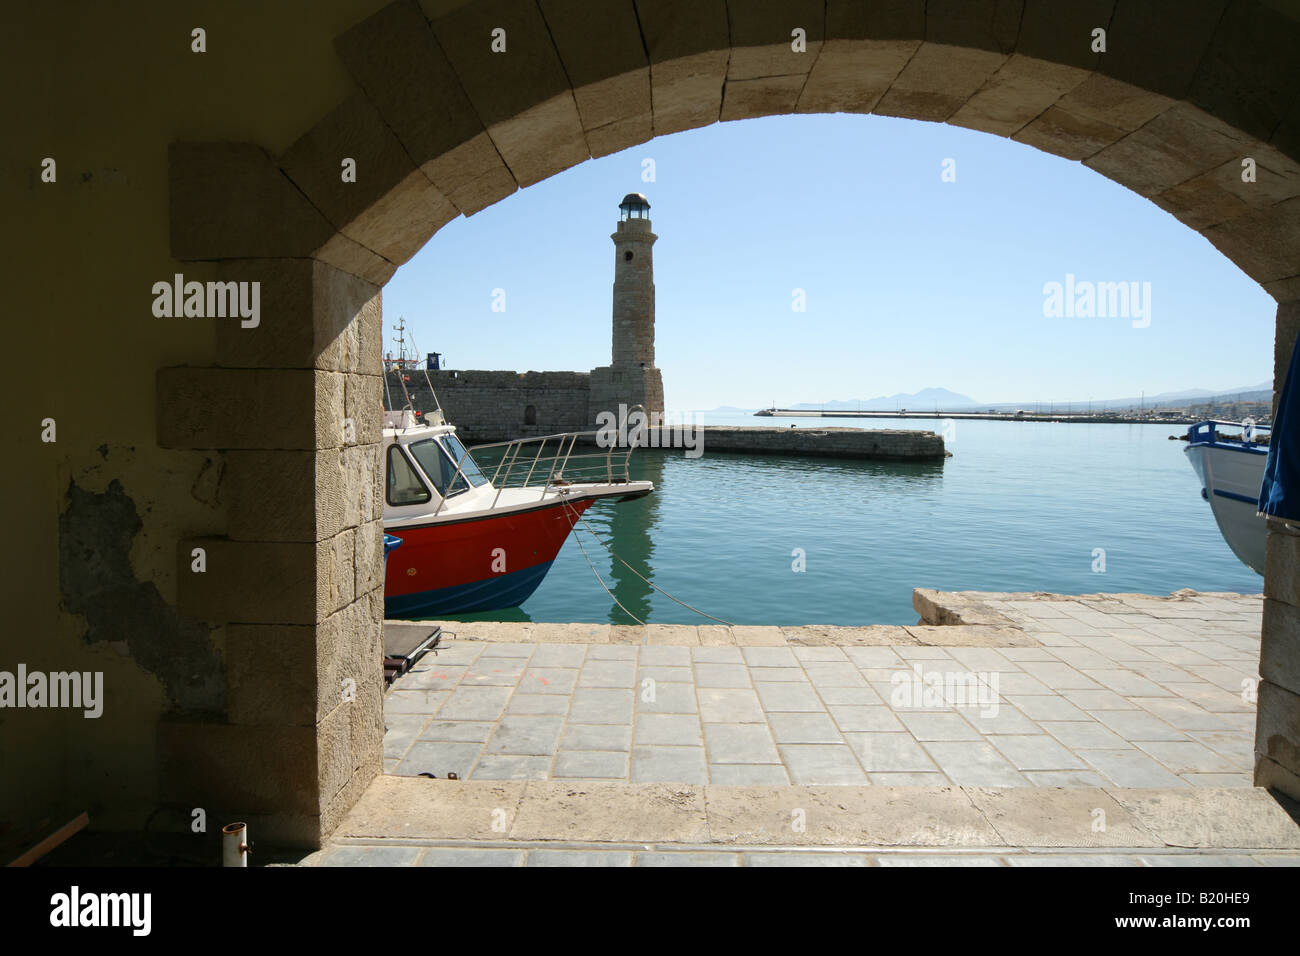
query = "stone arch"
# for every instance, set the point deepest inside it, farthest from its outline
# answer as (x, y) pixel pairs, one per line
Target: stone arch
(440, 125)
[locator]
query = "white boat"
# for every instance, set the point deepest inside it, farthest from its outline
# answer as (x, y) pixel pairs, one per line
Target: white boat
(1231, 470)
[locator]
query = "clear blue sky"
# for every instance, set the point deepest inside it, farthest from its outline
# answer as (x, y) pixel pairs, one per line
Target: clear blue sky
(911, 282)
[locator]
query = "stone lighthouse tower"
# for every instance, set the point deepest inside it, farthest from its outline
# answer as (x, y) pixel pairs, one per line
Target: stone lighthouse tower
(631, 378)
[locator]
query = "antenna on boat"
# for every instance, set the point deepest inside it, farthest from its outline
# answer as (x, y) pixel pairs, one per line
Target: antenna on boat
(437, 405)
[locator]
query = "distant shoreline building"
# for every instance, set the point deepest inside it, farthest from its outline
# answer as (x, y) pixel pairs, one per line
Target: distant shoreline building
(490, 406)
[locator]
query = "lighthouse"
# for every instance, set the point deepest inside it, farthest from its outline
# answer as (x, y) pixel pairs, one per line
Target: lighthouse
(631, 377)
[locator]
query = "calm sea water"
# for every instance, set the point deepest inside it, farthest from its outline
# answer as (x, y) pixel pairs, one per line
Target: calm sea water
(1020, 506)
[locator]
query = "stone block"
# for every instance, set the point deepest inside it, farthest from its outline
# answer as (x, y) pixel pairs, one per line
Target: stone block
(977, 24)
(1265, 244)
(273, 675)
(522, 95)
(395, 58)
(765, 96)
(1200, 202)
(621, 134)
(603, 57)
(282, 495)
(1277, 728)
(248, 581)
(1062, 32)
(230, 200)
(937, 81)
(1246, 75)
(1067, 134)
(1171, 149)
(1141, 51)
(248, 408)
(688, 43)
(391, 207)
(1279, 653)
(232, 771)
(363, 397)
(851, 75)
(1114, 103)
(259, 582)
(312, 315)
(1019, 91)
(762, 37)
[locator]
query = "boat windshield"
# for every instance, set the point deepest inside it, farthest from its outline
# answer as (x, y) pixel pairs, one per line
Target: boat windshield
(439, 463)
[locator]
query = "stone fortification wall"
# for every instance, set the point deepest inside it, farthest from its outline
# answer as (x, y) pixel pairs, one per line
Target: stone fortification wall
(488, 406)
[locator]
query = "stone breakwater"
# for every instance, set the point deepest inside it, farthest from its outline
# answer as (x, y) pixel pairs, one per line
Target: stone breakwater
(861, 443)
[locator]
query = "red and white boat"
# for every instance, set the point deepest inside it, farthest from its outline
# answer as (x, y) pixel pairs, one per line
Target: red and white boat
(478, 539)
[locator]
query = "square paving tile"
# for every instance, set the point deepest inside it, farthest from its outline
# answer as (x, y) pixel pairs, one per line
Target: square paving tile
(559, 655)
(1084, 733)
(740, 743)
(525, 735)
(938, 726)
(450, 856)
(457, 731)
(427, 756)
(476, 703)
(730, 706)
(748, 774)
(890, 753)
(601, 705)
(822, 764)
(512, 767)
(488, 671)
(1187, 756)
(804, 729)
(667, 699)
(596, 737)
(722, 675)
(669, 765)
(873, 657)
(855, 719)
(1046, 707)
(834, 674)
(1131, 768)
(787, 697)
(675, 730)
(538, 704)
(769, 657)
(974, 764)
(1036, 752)
(663, 655)
(1138, 725)
(862, 696)
(602, 673)
(591, 765)
(583, 858)
(716, 655)
(414, 701)
(548, 680)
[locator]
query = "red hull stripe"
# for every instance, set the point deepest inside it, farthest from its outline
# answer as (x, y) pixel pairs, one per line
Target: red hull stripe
(447, 555)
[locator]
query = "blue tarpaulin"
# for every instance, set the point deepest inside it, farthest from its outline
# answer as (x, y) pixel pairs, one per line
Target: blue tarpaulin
(1280, 493)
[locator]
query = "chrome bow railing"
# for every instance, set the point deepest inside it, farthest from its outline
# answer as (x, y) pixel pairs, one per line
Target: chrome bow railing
(547, 463)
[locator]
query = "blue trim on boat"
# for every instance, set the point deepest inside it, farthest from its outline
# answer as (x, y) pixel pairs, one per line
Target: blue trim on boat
(391, 542)
(1233, 496)
(1230, 446)
(489, 594)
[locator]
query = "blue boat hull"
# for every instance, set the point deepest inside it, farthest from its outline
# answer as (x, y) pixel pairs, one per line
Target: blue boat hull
(489, 594)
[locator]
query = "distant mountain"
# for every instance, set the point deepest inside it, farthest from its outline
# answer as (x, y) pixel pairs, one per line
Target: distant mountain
(948, 401)
(925, 398)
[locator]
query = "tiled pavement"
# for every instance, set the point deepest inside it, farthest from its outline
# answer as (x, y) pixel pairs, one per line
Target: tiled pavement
(359, 853)
(1138, 692)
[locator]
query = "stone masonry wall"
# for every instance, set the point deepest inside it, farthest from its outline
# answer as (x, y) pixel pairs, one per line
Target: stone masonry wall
(488, 406)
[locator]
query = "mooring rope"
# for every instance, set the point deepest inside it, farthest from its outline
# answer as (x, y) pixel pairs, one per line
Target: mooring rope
(580, 520)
